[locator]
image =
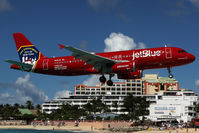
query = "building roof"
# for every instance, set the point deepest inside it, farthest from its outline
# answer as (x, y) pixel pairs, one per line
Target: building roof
(25, 111)
(153, 78)
(34, 111)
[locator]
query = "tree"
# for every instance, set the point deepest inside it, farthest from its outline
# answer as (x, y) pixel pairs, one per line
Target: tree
(67, 112)
(136, 106)
(196, 108)
(42, 116)
(115, 105)
(1, 109)
(88, 108)
(16, 105)
(28, 118)
(38, 107)
(94, 106)
(21, 106)
(9, 112)
(29, 104)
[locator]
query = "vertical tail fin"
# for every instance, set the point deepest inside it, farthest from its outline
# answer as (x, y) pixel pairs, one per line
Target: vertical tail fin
(28, 53)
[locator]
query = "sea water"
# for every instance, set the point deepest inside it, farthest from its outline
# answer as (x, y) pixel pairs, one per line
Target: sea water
(36, 131)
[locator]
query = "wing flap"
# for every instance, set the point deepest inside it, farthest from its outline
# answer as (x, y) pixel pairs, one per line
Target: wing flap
(98, 62)
(77, 52)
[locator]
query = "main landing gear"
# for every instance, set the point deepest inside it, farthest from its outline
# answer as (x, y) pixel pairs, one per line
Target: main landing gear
(169, 71)
(102, 79)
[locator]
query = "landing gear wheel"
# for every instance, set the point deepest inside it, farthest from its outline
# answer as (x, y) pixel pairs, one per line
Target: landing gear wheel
(102, 79)
(169, 71)
(170, 76)
(110, 83)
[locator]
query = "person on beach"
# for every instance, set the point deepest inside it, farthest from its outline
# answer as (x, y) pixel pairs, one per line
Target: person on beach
(76, 123)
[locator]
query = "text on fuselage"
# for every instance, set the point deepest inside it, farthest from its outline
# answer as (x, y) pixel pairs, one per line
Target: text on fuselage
(146, 53)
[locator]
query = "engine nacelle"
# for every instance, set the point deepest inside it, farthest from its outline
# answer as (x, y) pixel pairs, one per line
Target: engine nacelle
(125, 67)
(131, 75)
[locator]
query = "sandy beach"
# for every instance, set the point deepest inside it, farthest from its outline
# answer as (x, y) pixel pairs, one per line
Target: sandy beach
(184, 130)
(72, 128)
(91, 129)
(90, 126)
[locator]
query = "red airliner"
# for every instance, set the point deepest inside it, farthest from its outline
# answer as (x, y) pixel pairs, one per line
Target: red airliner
(126, 64)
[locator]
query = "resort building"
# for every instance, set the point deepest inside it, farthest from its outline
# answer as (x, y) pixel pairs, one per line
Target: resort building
(150, 84)
(171, 105)
(50, 106)
(153, 84)
(163, 93)
(125, 87)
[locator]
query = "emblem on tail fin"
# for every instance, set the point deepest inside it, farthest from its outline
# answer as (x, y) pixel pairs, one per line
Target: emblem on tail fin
(28, 55)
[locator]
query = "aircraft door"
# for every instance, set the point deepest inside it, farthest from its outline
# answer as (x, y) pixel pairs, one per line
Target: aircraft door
(120, 57)
(45, 64)
(168, 53)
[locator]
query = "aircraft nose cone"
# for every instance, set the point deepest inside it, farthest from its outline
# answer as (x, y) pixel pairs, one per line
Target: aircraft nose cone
(192, 57)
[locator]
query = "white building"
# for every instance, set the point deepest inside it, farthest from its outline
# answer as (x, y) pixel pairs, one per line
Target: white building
(167, 101)
(112, 101)
(170, 105)
(125, 87)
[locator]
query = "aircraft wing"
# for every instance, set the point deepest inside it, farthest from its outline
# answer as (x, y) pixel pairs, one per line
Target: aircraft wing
(98, 62)
(23, 66)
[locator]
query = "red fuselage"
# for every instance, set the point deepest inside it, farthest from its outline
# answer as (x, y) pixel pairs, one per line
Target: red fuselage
(126, 64)
(133, 60)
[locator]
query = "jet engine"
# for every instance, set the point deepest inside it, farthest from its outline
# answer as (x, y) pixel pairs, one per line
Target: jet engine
(131, 75)
(125, 67)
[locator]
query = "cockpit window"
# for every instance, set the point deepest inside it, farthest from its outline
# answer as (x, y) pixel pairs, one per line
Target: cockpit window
(181, 51)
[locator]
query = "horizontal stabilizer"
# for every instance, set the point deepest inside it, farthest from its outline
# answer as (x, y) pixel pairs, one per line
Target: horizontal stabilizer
(23, 66)
(61, 46)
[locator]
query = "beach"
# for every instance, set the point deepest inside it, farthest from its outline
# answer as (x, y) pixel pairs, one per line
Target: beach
(90, 126)
(91, 129)
(71, 128)
(183, 130)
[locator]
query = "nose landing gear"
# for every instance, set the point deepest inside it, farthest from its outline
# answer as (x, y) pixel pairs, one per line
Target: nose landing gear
(169, 71)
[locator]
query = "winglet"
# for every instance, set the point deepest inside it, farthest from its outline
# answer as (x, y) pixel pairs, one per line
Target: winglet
(61, 46)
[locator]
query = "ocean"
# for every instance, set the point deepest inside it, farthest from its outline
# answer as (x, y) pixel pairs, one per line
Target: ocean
(36, 131)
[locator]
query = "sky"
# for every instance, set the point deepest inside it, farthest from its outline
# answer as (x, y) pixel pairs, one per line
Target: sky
(95, 26)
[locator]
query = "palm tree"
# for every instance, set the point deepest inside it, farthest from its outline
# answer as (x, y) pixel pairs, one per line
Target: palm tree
(136, 106)
(88, 108)
(196, 108)
(16, 105)
(95, 106)
(115, 105)
(7, 111)
(29, 104)
(38, 106)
